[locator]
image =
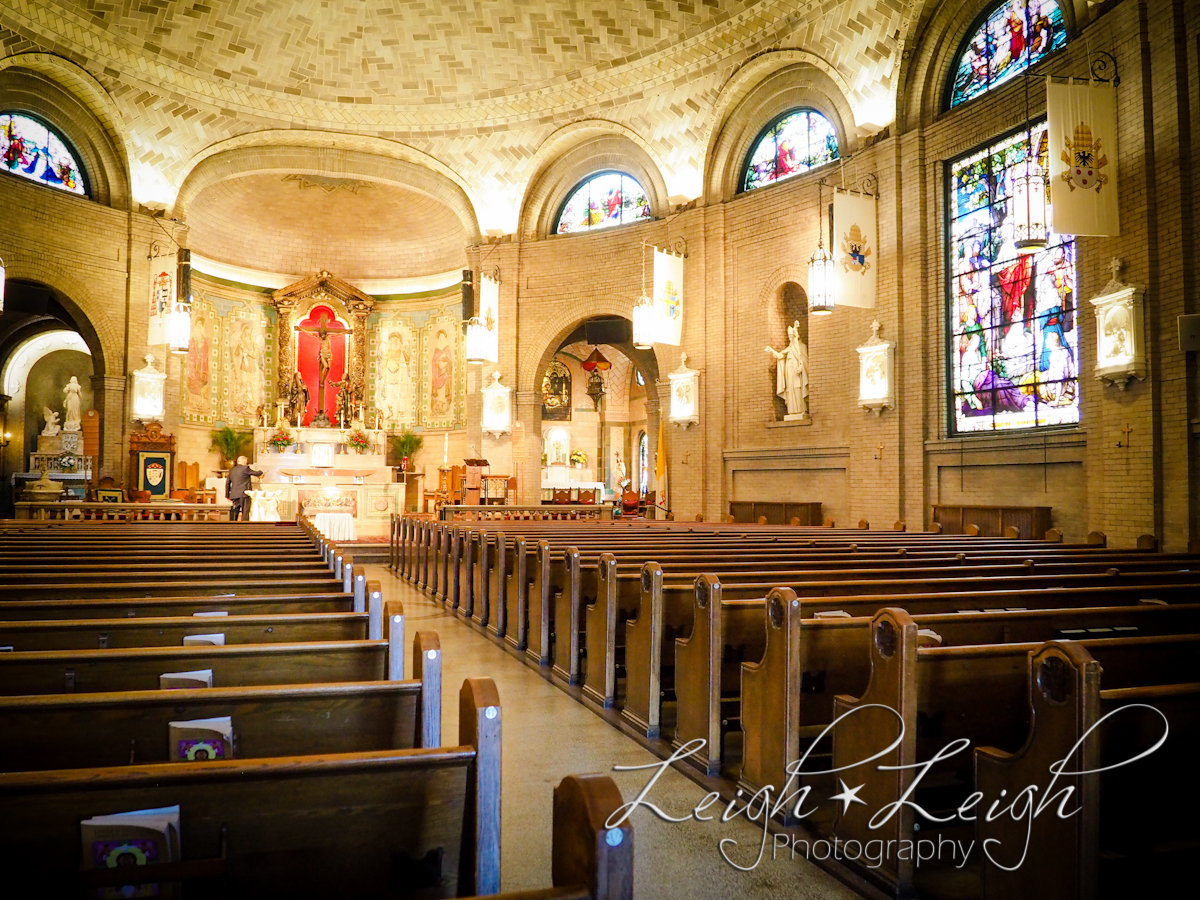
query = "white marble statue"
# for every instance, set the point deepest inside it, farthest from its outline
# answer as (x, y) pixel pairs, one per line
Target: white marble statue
(51, 428)
(71, 402)
(791, 374)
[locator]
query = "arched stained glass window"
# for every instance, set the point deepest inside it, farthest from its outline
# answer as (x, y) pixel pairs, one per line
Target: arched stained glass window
(1013, 337)
(1010, 39)
(32, 150)
(797, 141)
(604, 200)
(643, 451)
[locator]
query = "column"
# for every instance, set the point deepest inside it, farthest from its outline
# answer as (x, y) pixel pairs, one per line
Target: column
(529, 469)
(108, 393)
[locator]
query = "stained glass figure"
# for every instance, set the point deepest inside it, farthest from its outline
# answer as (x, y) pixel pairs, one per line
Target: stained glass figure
(30, 149)
(604, 200)
(1012, 37)
(643, 463)
(1014, 345)
(795, 142)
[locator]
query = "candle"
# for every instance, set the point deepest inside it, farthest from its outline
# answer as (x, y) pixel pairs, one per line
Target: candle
(446, 449)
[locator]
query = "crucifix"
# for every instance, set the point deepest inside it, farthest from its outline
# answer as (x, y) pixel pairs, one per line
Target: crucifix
(1125, 431)
(324, 360)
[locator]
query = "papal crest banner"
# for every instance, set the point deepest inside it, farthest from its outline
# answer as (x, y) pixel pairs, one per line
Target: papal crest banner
(1082, 129)
(855, 249)
(162, 302)
(668, 297)
(489, 314)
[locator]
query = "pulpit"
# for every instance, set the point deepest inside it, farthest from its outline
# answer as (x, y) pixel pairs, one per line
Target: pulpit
(152, 461)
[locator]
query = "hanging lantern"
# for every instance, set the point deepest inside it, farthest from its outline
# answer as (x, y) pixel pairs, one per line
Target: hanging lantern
(821, 274)
(1, 285)
(179, 327)
(594, 365)
(820, 282)
(1031, 233)
(595, 389)
(643, 323)
(477, 341)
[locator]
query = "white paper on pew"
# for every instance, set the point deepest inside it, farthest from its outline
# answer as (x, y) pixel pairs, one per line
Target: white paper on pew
(832, 614)
(146, 831)
(196, 740)
(197, 678)
(215, 639)
(216, 612)
(927, 637)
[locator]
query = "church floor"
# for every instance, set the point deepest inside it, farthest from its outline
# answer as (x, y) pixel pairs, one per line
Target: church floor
(547, 735)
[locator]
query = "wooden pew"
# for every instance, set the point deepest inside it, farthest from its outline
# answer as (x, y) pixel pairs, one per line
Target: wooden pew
(65, 731)
(279, 827)
(1129, 836)
(129, 607)
(651, 646)
(978, 693)
(787, 694)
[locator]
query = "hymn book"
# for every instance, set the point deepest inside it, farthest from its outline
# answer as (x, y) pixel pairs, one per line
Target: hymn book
(143, 837)
(190, 640)
(196, 740)
(199, 678)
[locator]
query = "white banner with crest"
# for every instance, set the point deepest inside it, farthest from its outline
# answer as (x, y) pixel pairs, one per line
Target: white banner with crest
(1082, 127)
(489, 313)
(668, 296)
(855, 249)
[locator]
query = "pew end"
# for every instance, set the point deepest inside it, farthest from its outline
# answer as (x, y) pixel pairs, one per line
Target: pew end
(586, 851)
(899, 525)
(393, 632)
(1100, 539)
(479, 726)
(427, 668)
(1147, 542)
(1054, 536)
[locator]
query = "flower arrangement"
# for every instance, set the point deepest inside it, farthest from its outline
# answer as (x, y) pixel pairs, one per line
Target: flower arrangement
(359, 441)
(67, 462)
(280, 440)
(578, 458)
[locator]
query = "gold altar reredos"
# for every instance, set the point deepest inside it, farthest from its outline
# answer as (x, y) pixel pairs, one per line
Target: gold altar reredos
(295, 301)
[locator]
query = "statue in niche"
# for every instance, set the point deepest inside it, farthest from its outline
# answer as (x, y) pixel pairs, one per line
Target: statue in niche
(52, 428)
(297, 392)
(345, 400)
(791, 374)
(71, 403)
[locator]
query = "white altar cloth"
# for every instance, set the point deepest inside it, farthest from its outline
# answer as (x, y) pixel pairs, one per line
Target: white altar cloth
(337, 526)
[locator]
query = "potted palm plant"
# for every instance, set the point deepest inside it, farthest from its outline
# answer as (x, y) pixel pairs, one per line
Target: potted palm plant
(230, 443)
(405, 446)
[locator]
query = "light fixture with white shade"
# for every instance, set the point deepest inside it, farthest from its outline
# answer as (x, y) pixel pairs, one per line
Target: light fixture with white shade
(1031, 219)
(821, 273)
(643, 314)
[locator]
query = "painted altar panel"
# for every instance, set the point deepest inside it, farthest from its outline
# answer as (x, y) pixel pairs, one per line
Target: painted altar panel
(394, 375)
(442, 373)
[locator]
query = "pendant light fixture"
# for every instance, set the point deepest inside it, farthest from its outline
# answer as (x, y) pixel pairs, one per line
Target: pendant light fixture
(820, 268)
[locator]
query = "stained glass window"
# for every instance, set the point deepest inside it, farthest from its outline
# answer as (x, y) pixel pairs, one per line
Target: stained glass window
(1013, 36)
(1014, 345)
(30, 149)
(604, 200)
(795, 142)
(643, 463)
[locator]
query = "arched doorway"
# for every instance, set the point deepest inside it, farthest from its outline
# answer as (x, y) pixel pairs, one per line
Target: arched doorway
(601, 431)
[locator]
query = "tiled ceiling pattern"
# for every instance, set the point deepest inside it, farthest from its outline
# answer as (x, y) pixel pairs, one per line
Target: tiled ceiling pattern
(476, 85)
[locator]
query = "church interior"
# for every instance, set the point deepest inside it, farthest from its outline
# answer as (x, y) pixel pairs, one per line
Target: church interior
(513, 326)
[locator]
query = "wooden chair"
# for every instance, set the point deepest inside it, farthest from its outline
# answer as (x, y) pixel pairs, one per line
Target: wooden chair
(588, 497)
(630, 502)
(561, 498)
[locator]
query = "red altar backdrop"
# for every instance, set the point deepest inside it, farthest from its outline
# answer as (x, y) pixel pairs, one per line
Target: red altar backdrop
(307, 347)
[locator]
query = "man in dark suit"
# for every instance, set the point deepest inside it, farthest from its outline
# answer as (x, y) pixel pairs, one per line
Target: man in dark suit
(235, 489)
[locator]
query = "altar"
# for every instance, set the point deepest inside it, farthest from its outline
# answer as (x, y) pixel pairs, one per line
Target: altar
(321, 475)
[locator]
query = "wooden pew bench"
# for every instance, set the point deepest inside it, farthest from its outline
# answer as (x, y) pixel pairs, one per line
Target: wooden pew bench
(67, 731)
(651, 645)
(979, 693)
(130, 607)
(176, 587)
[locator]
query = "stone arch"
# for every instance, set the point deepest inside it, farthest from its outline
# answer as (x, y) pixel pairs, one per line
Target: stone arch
(934, 44)
(572, 153)
(320, 153)
(70, 99)
(762, 90)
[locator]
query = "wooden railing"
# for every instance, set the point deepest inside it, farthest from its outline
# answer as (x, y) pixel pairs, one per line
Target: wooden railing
(461, 513)
(121, 512)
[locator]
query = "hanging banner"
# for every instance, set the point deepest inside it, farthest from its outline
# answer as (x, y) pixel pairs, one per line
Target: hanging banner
(162, 302)
(668, 297)
(856, 251)
(1082, 125)
(489, 314)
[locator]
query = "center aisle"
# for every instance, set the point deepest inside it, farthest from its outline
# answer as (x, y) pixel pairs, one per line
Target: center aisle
(548, 735)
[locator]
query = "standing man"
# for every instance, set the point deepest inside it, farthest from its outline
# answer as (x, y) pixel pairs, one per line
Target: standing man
(235, 489)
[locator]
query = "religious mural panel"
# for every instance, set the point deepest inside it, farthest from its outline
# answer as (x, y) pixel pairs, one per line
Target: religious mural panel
(200, 376)
(395, 371)
(1014, 345)
(442, 376)
(244, 366)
